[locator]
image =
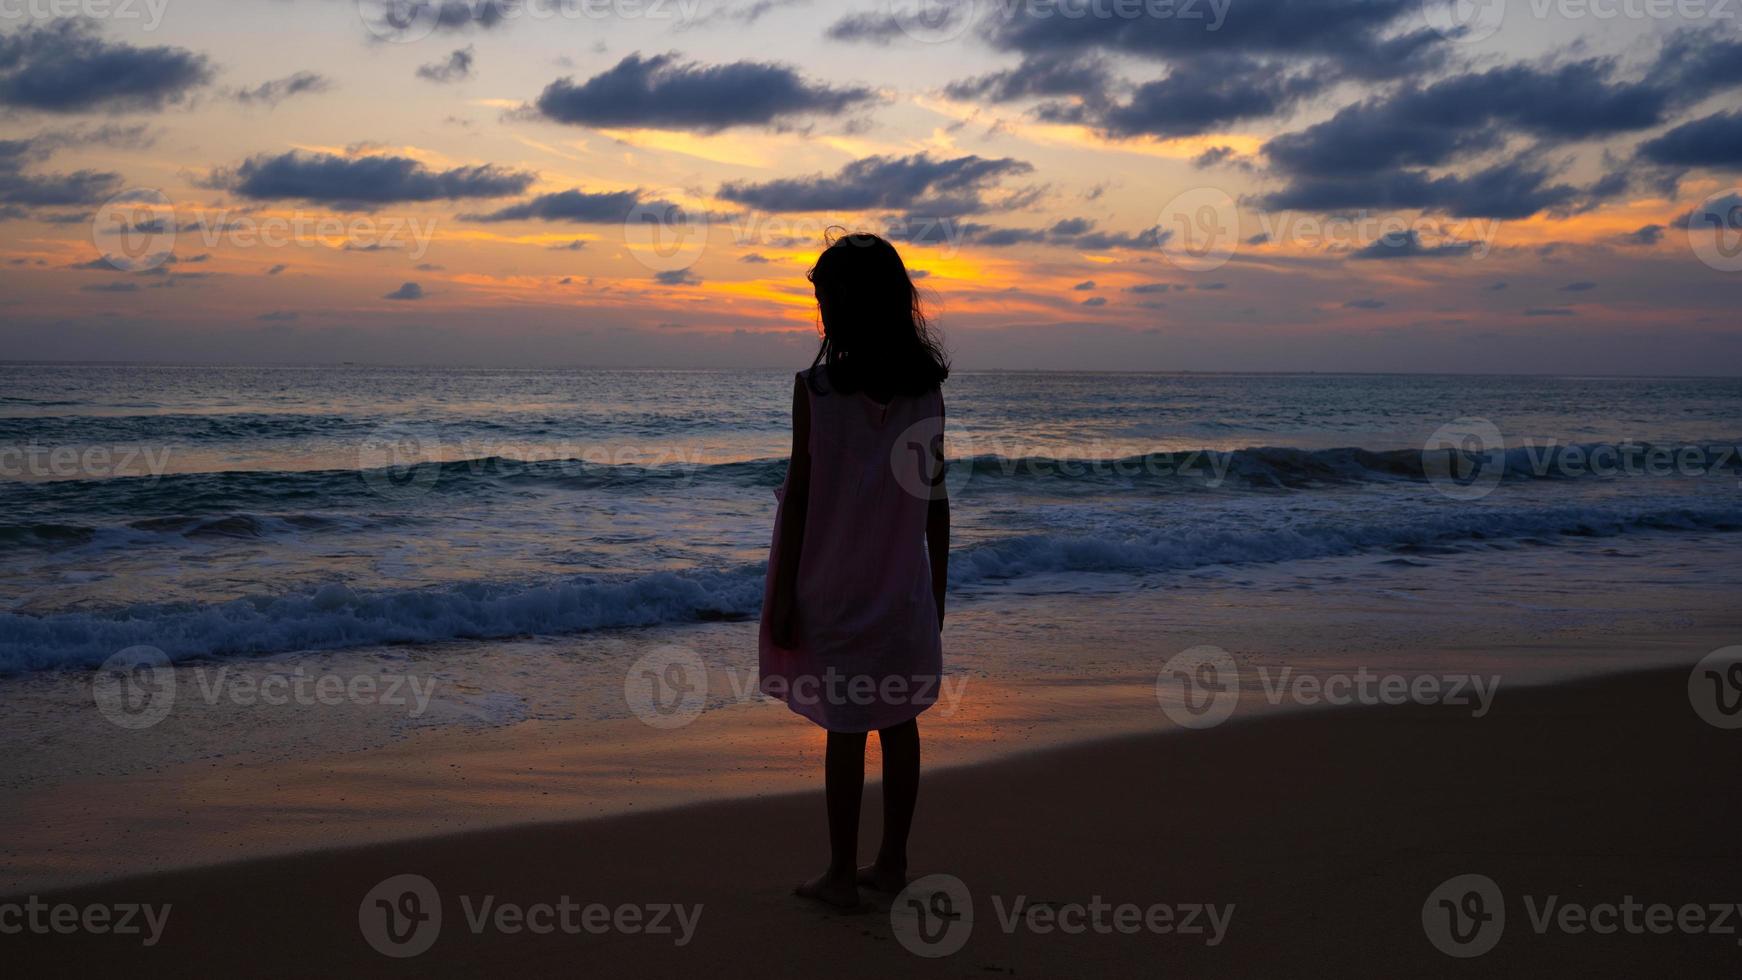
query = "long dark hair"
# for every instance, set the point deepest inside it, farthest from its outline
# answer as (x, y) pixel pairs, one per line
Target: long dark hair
(875, 336)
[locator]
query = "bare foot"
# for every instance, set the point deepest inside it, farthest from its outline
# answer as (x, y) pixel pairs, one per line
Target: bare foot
(876, 877)
(831, 891)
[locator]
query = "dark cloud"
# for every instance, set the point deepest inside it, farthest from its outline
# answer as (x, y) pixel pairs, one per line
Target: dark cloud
(1549, 311)
(1376, 153)
(1206, 96)
(1359, 34)
(662, 92)
(676, 277)
(1085, 285)
(19, 189)
(741, 14)
(1147, 288)
(1078, 233)
(1217, 156)
(275, 270)
(410, 290)
(1364, 304)
(279, 316)
(457, 67)
(272, 93)
(1714, 141)
(754, 258)
(572, 246)
(111, 287)
(1578, 287)
(365, 182)
(1038, 76)
(580, 207)
(410, 19)
(1644, 235)
(1407, 245)
(1515, 189)
(1467, 114)
(1095, 301)
(920, 184)
(64, 66)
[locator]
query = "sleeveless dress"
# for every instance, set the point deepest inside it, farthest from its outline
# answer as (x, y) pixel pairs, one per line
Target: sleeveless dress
(868, 654)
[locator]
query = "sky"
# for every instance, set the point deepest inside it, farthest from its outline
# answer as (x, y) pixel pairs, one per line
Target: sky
(1512, 186)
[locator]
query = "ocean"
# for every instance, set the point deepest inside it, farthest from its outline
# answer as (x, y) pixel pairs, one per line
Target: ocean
(236, 512)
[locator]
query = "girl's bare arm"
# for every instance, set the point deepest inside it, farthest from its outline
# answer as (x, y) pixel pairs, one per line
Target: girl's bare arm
(783, 609)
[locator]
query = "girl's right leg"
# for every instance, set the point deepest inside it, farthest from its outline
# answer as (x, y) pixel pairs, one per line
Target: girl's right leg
(843, 787)
(900, 796)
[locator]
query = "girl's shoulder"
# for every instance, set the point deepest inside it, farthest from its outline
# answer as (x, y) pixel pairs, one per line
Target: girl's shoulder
(816, 378)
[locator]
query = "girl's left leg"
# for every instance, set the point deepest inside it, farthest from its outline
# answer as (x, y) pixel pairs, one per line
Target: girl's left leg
(843, 789)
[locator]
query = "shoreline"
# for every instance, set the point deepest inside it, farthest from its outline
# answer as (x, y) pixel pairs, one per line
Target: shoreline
(539, 732)
(1325, 830)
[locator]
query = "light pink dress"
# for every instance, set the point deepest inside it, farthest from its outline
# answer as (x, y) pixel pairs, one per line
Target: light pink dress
(869, 655)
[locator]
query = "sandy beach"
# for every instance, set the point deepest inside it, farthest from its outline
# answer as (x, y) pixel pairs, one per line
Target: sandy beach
(1317, 837)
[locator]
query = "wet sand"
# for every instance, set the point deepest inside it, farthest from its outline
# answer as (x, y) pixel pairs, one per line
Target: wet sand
(1326, 831)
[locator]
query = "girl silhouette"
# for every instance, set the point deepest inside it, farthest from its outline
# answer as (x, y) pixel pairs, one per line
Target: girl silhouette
(854, 602)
